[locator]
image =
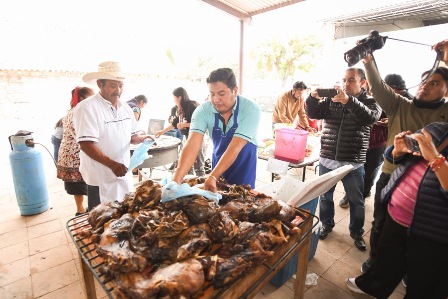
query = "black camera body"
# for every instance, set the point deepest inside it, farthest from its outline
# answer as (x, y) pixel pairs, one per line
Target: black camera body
(374, 41)
(327, 92)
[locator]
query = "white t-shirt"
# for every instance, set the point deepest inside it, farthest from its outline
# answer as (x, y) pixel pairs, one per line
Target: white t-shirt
(95, 119)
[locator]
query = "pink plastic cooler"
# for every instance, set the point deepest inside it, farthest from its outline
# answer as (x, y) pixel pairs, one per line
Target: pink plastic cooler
(290, 145)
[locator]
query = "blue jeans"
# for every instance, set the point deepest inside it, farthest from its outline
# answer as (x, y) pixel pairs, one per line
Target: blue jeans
(56, 144)
(174, 133)
(354, 186)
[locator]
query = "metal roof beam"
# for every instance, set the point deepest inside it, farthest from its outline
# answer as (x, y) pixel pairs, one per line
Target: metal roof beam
(230, 10)
(276, 6)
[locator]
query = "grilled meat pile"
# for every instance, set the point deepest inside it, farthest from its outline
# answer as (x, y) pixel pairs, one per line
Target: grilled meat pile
(179, 248)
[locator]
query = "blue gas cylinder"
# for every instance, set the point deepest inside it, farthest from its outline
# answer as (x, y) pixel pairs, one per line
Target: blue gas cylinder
(28, 174)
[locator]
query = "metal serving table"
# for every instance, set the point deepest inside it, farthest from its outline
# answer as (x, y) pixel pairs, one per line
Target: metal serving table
(308, 161)
(163, 152)
(245, 287)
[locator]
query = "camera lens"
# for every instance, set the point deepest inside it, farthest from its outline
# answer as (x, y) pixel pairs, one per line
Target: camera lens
(372, 42)
(352, 57)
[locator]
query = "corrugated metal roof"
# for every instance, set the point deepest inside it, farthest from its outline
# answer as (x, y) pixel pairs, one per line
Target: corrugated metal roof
(422, 10)
(427, 12)
(244, 10)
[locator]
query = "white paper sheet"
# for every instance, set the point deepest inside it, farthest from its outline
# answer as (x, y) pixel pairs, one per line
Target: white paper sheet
(298, 193)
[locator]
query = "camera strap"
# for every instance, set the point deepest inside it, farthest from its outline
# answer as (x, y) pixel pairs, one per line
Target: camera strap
(433, 70)
(436, 64)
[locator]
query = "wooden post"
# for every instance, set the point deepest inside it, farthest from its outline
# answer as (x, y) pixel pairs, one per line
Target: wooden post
(302, 261)
(87, 276)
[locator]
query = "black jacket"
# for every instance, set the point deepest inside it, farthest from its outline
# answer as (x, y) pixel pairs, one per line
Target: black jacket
(188, 108)
(430, 219)
(346, 130)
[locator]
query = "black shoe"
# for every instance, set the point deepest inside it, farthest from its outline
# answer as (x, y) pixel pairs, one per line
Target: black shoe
(404, 281)
(324, 232)
(359, 242)
(343, 203)
(79, 214)
(367, 264)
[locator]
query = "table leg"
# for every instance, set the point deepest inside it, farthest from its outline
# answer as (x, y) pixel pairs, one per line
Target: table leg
(88, 279)
(303, 173)
(302, 262)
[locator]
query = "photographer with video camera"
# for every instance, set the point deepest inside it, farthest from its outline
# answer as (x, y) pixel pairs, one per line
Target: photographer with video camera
(348, 113)
(427, 106)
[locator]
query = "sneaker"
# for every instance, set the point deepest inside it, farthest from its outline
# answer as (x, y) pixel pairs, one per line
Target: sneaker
(351, 285)
(343, 203)
(367, 264)
(324, 232)
(359, 242)
(404, 281)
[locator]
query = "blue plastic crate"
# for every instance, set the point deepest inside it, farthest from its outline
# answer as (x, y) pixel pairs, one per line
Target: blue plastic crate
(291, 267)
(314, 240)
(311, 205)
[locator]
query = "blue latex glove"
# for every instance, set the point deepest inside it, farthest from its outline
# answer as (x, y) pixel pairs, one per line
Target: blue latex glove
(166, 179)
(140, 153)
(172, 190)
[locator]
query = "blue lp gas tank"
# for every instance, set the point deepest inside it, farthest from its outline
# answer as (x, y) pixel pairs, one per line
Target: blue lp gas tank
(28, 174)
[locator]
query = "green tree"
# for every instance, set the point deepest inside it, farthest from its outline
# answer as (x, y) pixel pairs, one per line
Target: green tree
(170, 56)
(286, 57)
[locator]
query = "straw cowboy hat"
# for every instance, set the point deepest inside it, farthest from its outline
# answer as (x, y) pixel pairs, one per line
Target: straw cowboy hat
(109, 70)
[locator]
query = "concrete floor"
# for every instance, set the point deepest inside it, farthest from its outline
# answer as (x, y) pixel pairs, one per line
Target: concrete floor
(39, 260)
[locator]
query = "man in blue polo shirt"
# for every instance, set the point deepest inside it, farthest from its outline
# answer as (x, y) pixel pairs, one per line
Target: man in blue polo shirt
(232, 122)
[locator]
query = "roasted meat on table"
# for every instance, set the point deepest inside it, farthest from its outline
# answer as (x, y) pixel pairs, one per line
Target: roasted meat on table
(179, 280)
(114, 247)
(104, 212)
(180, 248)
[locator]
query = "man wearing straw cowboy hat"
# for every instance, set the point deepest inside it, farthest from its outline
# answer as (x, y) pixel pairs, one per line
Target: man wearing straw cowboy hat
(105, 128)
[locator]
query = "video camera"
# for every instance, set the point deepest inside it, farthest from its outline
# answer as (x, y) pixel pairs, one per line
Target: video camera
(372, 42)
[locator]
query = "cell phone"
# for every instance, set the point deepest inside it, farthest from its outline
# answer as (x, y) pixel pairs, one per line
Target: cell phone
(327, 92)
(411, 143)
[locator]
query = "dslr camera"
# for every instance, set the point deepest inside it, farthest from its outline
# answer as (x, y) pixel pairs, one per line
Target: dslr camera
(372, 42)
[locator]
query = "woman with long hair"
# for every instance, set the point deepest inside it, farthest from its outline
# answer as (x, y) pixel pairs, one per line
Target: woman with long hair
(68, 162)
(182, 122)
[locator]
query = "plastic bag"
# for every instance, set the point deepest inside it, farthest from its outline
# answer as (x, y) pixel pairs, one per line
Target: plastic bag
(311, 279)
(172, 190)
(140, 153)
